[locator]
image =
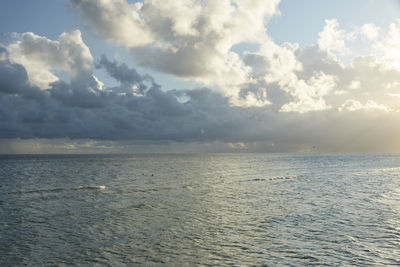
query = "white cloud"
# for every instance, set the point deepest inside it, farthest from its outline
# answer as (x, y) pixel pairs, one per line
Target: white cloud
(389, 47)
(394, 94)
(354, 105)
(187, 38)
(116, 20)
(368, 40)
(333, 39)
(354, 85)
(371, 31)
(309, 95)
(263, 91)
(198, 46)
(82, 112)
(40, 56)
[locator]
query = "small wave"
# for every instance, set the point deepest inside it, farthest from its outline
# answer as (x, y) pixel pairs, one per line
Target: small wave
(141, 206)
(393, 169)
(90, 187)
(257, 179)
(55, 190)
(378, 170)
(51, 190)
(187, 187)
(272, 178)
(282, 178)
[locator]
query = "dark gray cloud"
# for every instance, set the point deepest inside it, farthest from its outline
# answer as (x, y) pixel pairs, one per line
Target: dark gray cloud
(81, 109)
(122, 73)
(13, 77)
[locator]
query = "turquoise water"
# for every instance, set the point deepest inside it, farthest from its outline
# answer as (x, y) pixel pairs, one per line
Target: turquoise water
(190, 210)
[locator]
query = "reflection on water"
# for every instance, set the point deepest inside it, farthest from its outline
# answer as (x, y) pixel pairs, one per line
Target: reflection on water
(231, 209)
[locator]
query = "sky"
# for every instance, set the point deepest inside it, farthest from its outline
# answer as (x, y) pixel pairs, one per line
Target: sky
(120, 76)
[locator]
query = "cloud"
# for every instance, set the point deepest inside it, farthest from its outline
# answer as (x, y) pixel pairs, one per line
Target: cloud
(389, 47)
(370, 31)
(333, 39)
(40, 56)
(111, 19)
(162, 36)
(283, 76)
(80, 109)
(199, 46)
(278, 97)
(309, 95)
(281, 65)
(131, 81)
(353, 105)
(186, 38)
(368, 39)
(205, 116)
(13, 77)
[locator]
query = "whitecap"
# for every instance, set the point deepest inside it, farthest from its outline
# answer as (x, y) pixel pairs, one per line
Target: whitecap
(91, 187)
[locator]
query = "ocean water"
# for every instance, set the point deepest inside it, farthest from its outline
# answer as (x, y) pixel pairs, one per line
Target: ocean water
(200, 210)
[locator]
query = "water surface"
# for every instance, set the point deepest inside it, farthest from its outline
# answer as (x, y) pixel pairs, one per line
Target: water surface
(187, 210)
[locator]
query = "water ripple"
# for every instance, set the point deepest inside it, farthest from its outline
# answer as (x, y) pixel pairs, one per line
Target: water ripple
(200, 210)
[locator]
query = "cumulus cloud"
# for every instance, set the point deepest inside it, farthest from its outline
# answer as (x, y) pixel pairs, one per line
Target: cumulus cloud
(79, 109)
(353, 105)
(186, 38)
(40, 56)
(389, 47)
(155, 115)
(368, 39)
(281, 65)
(131, 81)
(370, 31)
(277, 97)
(333, 39)
(164, 37)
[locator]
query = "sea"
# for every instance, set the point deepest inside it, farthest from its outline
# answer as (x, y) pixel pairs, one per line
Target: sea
(200, 210)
